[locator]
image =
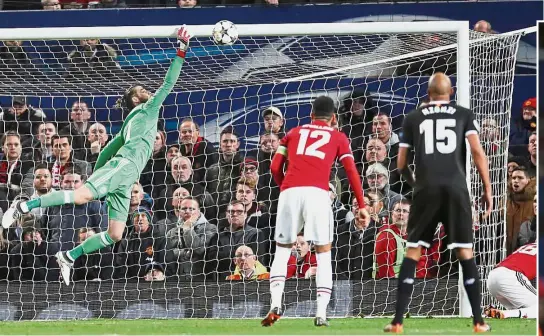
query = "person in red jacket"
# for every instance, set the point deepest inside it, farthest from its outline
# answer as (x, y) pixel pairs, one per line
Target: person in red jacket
(389, 237)
(302, 263)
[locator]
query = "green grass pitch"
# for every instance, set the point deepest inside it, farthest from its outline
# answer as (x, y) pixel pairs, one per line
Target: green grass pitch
(348, 326)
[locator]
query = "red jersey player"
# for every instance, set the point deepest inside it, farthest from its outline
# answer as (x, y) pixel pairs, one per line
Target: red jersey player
(304, 200)
(510, 284)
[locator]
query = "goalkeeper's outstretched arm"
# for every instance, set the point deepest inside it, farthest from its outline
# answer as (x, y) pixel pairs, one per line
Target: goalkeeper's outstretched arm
(155, 102)
(109, 151)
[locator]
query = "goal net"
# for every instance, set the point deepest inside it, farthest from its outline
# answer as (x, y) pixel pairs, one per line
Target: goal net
(61, 80)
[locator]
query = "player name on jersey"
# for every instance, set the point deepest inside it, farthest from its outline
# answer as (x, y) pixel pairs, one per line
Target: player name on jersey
(438, 109)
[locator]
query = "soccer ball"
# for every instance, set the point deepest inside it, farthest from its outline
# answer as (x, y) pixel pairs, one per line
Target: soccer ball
(225, 33)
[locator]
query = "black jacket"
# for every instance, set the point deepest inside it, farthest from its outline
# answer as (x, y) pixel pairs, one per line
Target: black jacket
(97, 265)
(154, 174)
(25, 124)
(203, 156)
(30, 261)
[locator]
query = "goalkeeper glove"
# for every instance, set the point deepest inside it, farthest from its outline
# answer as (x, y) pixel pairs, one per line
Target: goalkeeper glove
(183, 41)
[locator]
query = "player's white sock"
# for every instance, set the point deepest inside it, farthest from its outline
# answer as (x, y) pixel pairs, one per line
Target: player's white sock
(529, 312)
(278, 272)
(323, 282)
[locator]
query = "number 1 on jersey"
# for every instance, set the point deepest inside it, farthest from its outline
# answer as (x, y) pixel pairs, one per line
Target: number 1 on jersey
(323, 138)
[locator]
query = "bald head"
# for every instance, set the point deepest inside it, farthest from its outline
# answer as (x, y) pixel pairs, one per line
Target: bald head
(440, 87)
(483, 26)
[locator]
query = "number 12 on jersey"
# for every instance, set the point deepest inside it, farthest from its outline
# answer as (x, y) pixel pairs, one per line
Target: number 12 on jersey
(323, 138)
(444, 137)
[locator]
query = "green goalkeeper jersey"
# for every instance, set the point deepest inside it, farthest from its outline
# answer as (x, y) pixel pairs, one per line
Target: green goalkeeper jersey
(137, 135)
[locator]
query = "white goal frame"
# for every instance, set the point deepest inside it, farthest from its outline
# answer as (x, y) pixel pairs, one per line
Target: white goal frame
(461, 28)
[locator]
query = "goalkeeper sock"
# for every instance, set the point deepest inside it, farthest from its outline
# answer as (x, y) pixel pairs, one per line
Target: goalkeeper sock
(278, 272)
(90, 245)
(529, 312)
(471, 280)
(323, 282)
(404, 288)
(52, 199)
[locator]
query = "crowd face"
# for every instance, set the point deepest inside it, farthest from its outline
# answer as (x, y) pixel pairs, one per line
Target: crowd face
(250, 172)
(45, 132)
(71, 181)
(181, 169)
(42, 180)
(136, 195)
(12, 148)
(62, 149)
(375, 151)
(532, 145)
(528, 113)
(269, 143)
(489, 130)
(377, 181)
(236, 216)
(357, 108)
(159, 144)
(245, 194)
(80, 112)
(301, 246)
(519, 181)
(141, 222)
(188, 134)
(178, 196)
(229, 144)
(188, 208)
(97, 132)
(381, 126)
(244, 258)
(18, 109)
(400, 214)
(173, 152)
(273, 122)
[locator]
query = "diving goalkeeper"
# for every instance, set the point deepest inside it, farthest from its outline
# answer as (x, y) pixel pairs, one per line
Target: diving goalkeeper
(117, 168)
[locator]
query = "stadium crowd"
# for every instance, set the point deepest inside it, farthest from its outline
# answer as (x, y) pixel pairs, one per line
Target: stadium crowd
(206, 212)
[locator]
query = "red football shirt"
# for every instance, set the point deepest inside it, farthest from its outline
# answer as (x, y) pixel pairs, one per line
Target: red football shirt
(523, 260)
(311, 152)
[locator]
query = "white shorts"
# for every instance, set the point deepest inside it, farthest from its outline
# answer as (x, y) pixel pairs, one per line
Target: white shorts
(512, 289)
(304, 207)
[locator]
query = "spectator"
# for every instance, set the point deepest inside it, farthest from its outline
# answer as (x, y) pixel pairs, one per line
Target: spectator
(64, 221)
(187, 3)
(341, 215)
(247, 266)
(378, 179)
(302, 262)
(490, 136)
(519, 206)
(267, 189)
(390, 247)
(381, 127)
(257, 212)
(532, 148)
(154, 173)
(171, 221)
(137, 199)
(514, 162)
(522, 126)
(186, 244)
(235, 234)
(43, 149)
(527, 231)
(221, 178)
(62, 150)
(483, 26)
(376, 152)
(13, 166)
(79, 125)
(33, 258)
(181, 175)
(41, 185)
(23, 119)
(91, 59)
(141, 255)
(356, 113)
(378, 212)
(200, 151)
(51, 5)
(354, 246)
(112, 4)
(97, 138)
(273, 121)
(96, 266)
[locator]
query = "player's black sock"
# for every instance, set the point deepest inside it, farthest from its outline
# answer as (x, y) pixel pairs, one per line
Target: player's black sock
(471, 280)
(405, 287)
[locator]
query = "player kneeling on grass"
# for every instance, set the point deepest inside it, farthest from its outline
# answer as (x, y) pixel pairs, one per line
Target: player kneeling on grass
(510, 284)
(117, 168)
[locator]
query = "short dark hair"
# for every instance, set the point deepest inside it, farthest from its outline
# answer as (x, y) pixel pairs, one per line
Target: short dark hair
(85, 230)
(41, 166)
(8, 134)
(402, 201)
(74, 170)
(228, 130)
(323, 107)
(237, 202)
(62, 135)
(522, 169)
(379, 195)
(191, 198)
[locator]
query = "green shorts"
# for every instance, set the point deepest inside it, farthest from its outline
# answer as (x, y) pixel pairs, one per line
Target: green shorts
(114, 180)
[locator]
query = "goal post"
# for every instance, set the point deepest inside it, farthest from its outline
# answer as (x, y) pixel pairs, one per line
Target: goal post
(285, 65)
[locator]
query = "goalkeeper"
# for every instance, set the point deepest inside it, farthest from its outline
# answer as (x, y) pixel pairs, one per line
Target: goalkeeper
(117, 168)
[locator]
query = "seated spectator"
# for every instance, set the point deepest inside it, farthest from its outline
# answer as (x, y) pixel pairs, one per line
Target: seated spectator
(171, 221)
(13, 166)
(378, 212)
(95, 266)
(356, 113)
(273, 121)
(64, 158)
(382, 129)
(22, 119)
(155, 169)
(78, 128)
(200, 151)
(532, 149)
(302, 262)
(41, 185)
(33, 258)
(390, 247)
(514, 162)
(181, 175)
(340, 213)
(141, 255)
(64, 221)
(187, 242)
(137, 199)
(267, 189)
(97, 138)
(221, 178)
(257, 212)
(92, 58)
(376, 152)
(491, 137)
(521, 127)
(247, 266)
(377, 177)
(527, 231)
(235, 234)
(43, 148)
(519, 206)
(353, 246)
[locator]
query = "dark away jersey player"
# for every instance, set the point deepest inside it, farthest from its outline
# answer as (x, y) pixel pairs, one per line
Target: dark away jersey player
(436, 133)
